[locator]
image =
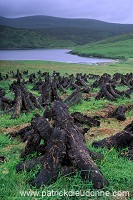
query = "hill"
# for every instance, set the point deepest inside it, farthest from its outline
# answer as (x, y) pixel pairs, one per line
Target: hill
(41, 21)
(12, 38)
(120, 47)
(62, 31)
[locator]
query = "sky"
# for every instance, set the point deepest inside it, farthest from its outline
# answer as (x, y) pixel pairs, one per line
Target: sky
(116, 11)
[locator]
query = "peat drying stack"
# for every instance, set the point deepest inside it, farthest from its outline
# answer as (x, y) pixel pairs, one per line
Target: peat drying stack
(64, 149)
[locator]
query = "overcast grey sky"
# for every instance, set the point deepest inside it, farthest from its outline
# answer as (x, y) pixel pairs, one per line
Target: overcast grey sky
(117, 11)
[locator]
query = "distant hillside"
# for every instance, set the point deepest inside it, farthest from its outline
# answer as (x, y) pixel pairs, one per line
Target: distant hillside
(11, 38)
(41, 21)
(61, 31)
(120, 47)
(77, 35)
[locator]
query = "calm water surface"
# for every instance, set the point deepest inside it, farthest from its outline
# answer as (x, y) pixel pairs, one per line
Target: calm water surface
(57, 55)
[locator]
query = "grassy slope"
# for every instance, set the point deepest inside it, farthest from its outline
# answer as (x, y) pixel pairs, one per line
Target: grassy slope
(115, 47)
(11, 38)
(117, 170)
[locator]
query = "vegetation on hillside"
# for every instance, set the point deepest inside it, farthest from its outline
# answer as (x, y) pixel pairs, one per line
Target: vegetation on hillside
(11, 38)
(120, 47)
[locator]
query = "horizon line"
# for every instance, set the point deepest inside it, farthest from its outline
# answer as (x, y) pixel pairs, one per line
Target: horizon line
(71, 18)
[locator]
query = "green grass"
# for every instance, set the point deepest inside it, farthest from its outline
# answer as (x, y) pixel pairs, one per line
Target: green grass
(88, 106)
(24, 118)
(123, 67)
(120, 47)
(117, 170)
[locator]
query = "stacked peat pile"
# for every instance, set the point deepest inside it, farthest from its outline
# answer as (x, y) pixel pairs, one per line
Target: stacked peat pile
(108, 86)
(84, 119)
(23, 100)
(5, 102)
(64, 149)
(120, 111)
(120, 140)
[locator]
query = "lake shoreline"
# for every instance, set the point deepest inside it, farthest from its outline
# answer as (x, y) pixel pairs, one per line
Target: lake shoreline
(39, 48)
(69, 52)
(57, 55)
(97, 56)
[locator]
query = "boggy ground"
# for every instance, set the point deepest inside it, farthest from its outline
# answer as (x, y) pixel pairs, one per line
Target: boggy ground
(116, 169)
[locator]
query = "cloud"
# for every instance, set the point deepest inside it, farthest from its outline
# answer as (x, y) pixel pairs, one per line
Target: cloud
(107, 10)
